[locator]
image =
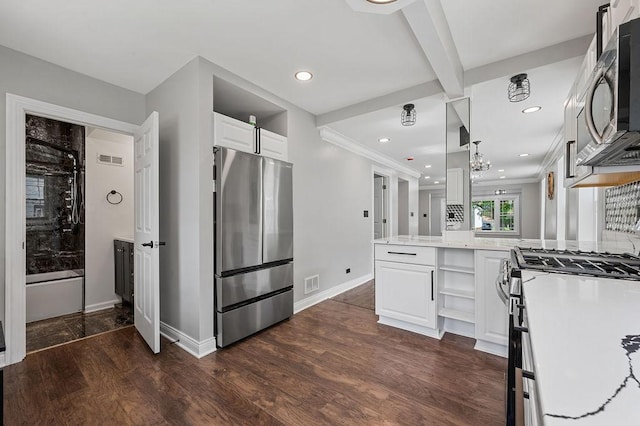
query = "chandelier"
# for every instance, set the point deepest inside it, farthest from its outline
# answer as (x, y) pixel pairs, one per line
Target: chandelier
(519, 88)
(408, 116)
(478, 164)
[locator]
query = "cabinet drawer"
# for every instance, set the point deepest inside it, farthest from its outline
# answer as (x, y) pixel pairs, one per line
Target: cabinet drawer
(406, 254)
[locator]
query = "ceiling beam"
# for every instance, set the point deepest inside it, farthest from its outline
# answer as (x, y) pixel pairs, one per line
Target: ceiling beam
(396, 98)
(522, 63)
(505, 68)
(429, 25)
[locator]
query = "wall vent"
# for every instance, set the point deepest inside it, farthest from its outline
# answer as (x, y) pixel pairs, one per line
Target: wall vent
(111, 160)
(311, 284)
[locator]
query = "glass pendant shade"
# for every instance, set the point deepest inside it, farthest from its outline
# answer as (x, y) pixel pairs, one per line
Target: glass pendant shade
(478, 164)
(519, 88)
(408, 116)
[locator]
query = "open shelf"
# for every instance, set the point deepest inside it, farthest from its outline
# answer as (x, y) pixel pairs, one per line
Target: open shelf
(467, 294)
(457, 315)
(461, 269)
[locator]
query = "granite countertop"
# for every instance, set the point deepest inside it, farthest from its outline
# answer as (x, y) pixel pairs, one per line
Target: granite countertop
(585, 339)
(505, 243)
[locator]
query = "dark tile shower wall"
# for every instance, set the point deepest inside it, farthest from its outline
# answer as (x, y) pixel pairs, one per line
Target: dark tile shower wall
(54, 243)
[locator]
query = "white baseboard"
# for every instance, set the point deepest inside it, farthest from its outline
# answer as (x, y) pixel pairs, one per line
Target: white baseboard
(3, 360)
(491, 348)
(187, 343)
(328, 294)
(101, 306)
(425, 331)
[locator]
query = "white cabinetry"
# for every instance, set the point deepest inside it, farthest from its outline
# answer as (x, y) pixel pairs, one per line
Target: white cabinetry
(241, 136)
(456, 302)
(455, 194)
(491, 313)
(406, 288)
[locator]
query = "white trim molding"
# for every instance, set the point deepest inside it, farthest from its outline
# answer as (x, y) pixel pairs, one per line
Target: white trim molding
(3, 361)
(187, 343)
(101, 306)
(328, 294)
(15, 234)
(329, 135)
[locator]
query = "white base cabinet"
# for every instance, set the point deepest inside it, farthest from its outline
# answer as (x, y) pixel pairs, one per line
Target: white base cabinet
(406, 289)
(432, 291)
(406, 292)
(491, 314)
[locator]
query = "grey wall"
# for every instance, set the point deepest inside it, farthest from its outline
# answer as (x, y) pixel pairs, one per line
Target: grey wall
(33, 78)
(529, 206)
(403, 207)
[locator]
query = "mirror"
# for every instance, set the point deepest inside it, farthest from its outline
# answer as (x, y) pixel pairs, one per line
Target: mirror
(458, 183)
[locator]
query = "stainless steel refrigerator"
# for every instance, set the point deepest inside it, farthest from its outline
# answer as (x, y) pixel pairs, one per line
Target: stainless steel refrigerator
(253, 244)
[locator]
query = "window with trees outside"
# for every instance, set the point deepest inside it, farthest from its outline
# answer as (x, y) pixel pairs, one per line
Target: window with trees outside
(496, 214)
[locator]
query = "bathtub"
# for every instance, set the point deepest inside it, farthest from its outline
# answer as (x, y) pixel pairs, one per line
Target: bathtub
(51, 294)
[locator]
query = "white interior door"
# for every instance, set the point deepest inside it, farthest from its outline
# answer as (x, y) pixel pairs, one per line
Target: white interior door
(146, 252)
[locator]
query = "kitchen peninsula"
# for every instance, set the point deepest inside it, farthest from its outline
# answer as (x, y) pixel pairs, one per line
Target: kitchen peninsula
(433, 285)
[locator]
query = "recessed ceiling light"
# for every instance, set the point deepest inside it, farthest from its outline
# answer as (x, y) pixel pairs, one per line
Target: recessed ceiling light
(531, 109)
(501, 170)
(524, 155)
(436, 182)
(427, 177)
(304, 76)
(381, 1)
(428, 166)
(503, 177)
(383, 140)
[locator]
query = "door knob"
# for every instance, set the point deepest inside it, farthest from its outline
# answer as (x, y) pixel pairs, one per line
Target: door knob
(150, 244)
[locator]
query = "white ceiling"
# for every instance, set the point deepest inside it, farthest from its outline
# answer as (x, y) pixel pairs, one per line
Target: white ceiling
(354, 56)
(138, 44)
(491, 30)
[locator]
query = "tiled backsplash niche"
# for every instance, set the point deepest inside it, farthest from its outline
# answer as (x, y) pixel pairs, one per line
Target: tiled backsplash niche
(622, 208)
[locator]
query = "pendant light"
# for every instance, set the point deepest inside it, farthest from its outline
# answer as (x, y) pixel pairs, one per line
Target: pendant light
(478, 164)
(408, 116)
(519, 88)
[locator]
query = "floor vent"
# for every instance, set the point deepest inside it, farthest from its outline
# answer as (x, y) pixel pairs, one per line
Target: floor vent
(111, 160)
(311, 284)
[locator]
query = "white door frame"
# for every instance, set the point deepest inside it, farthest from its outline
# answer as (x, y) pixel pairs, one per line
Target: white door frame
(386, 203)
(15, 221)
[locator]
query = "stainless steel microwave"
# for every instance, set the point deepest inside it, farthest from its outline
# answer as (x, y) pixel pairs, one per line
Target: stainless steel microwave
(609, 122)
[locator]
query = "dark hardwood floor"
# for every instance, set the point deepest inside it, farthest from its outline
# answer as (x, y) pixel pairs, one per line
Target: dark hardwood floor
(362, 296)
(330, 364)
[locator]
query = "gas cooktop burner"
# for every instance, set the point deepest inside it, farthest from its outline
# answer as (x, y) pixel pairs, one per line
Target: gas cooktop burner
(607, 265)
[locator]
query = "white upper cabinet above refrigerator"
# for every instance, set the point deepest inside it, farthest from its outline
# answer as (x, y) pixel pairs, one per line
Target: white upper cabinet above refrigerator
(241, 136)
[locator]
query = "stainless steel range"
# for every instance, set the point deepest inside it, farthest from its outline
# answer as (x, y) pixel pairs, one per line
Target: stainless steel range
(606, 265)
(509, 286)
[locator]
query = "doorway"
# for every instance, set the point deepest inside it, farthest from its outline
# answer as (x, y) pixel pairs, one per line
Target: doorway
(145, 188)
(72, 221)
(403, 206)
(380, 206)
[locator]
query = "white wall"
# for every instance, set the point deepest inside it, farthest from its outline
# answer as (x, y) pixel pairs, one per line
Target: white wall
(105, 221)
(31, 77)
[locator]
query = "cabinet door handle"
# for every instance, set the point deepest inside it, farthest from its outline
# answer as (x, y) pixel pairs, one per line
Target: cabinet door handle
(432, 299)
(399, 252)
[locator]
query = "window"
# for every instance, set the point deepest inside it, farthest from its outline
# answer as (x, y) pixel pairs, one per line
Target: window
(34, 192)
(496, 214)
